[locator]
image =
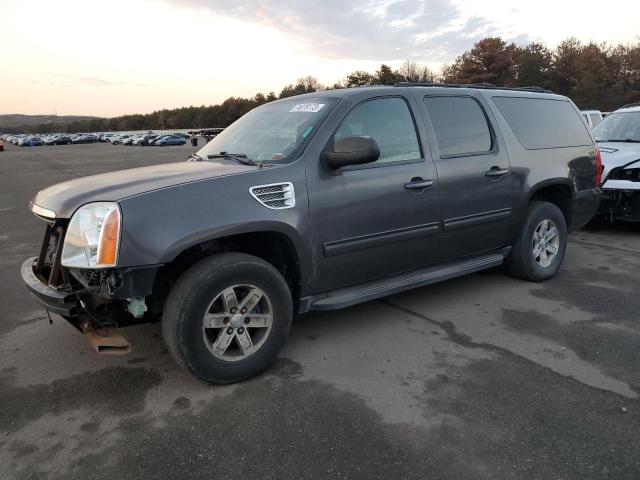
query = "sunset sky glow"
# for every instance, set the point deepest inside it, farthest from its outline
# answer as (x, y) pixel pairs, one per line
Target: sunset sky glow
(79, 57)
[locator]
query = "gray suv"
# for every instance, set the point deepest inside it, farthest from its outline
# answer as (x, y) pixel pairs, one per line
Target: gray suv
(315, 202)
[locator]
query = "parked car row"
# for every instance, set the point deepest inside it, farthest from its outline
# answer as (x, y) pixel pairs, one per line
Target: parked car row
(145, 140)
(30, 142)
(24, 140)
(148, 139)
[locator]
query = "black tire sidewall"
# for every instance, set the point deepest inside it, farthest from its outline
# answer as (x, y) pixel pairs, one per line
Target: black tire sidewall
(522, 262)
(195, 291)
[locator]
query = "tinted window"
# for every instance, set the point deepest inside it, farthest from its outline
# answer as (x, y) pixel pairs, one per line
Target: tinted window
(543, 123)
(389, 122)
(460, 125)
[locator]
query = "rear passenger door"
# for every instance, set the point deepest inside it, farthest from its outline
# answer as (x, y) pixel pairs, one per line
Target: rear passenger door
(474, 172)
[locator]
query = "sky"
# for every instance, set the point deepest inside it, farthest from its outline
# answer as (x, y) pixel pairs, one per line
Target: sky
(88, 57)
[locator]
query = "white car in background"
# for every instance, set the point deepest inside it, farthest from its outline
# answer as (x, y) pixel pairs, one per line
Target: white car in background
(618, 137)
(592, 117)
(119, 139)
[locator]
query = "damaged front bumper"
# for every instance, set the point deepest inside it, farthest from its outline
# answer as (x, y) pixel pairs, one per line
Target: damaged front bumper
(621, 200)
(96, 311)
(62, 302)
(100, 295)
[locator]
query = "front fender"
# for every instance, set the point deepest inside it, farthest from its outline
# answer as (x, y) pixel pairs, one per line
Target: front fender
(159, 225)
(302, 249)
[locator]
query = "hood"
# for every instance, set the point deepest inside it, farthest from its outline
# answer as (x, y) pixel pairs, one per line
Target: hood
(617, 154)
(66, 197)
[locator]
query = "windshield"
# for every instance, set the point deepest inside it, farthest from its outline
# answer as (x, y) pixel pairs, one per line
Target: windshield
(622, 126)
(272, 132)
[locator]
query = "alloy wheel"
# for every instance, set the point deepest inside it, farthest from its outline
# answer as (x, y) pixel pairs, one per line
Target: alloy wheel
(545, 243)
(237, 322)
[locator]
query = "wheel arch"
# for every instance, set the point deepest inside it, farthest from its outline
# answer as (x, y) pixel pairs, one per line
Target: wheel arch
(272, 243)
(558, 191)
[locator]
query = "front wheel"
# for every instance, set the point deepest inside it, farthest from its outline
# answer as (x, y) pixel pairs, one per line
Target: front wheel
(539, 250)
(227, 317)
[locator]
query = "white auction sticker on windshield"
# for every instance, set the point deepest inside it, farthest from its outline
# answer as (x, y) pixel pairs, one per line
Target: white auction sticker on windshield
(307, 107)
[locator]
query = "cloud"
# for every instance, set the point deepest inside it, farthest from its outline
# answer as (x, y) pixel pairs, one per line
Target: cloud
(95, 81)
(436, 30)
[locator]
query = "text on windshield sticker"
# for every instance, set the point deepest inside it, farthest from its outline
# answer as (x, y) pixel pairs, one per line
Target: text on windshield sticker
(307, 107)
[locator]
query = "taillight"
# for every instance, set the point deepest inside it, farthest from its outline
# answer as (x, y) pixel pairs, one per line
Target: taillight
(598, 167)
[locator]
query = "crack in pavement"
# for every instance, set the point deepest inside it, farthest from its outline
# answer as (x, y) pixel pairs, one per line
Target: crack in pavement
(466, 341)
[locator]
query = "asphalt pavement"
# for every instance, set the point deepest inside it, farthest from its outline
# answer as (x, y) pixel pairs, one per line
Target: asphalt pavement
(481, 377)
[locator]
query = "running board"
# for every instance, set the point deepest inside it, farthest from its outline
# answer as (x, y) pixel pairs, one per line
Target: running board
(347, 296)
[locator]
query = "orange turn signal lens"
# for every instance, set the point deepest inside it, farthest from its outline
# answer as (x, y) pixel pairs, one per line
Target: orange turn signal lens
(109, 237)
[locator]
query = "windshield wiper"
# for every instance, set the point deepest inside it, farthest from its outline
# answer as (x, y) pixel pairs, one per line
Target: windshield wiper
(620, 140)
(194, 157)
(238, 157)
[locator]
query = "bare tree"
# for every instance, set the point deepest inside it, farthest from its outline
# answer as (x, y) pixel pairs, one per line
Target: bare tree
(414, 72)
(310, 84)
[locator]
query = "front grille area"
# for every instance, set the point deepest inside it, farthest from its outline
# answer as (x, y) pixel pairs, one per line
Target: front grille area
(48, 266)
(276, 196)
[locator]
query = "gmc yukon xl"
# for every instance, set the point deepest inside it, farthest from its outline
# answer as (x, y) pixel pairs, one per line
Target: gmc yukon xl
(315, 202)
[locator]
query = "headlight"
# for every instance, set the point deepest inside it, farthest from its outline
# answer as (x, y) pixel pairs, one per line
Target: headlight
(93, 235)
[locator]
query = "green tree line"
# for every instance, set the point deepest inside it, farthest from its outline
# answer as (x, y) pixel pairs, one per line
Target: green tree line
(598, 76)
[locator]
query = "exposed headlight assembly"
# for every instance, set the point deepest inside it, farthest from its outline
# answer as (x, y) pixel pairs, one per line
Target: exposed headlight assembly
(93, 236)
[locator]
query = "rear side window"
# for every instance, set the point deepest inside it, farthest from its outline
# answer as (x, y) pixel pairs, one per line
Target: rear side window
(543, 123)
(460, 126)
(389, 122)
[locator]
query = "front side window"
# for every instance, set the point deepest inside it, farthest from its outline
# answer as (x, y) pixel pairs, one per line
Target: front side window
(460, 126)
(389, 122)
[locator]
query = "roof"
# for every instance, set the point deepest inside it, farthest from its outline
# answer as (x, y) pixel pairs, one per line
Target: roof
(632, 107)
(484, 87)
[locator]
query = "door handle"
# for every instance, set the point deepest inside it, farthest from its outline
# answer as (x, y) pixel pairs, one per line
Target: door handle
(418, 184)
(496, 172)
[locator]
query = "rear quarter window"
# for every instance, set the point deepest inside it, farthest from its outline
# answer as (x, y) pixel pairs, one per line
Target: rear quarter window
(543, 123)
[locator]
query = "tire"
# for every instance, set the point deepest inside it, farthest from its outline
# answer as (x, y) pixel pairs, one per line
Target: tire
(523, 261)
(199, 290)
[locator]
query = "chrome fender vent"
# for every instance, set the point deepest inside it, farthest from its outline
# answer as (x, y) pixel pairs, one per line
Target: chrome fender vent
(276, 196)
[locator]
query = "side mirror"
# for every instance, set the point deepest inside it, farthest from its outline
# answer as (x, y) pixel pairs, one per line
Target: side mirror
(354, 150)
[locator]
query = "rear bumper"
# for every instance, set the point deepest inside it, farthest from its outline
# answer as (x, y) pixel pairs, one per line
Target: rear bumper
(57, 301)
(585, 206)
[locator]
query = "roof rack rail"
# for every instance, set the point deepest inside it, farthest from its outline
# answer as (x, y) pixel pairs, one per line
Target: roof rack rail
(484, 85)
(629, 105)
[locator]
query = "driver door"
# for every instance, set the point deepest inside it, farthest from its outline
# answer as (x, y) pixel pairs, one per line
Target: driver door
(370, 221)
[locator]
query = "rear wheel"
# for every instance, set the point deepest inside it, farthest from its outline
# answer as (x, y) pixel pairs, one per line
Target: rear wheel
(539, 250)
(227, 317)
